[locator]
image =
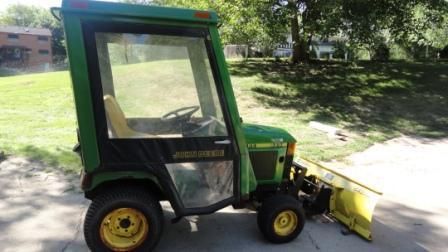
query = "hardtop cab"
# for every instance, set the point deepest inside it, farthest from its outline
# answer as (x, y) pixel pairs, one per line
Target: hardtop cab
(81, 18)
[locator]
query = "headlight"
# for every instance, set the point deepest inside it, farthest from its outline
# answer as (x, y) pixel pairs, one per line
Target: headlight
(291, 149)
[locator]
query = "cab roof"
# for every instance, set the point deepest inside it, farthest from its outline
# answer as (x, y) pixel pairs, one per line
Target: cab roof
(138, 11)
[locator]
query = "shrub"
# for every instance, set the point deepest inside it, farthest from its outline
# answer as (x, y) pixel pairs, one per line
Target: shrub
(381, 52)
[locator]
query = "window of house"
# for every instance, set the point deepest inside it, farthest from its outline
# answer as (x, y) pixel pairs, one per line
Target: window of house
(13, 36)
(44, 52)
(42, 38)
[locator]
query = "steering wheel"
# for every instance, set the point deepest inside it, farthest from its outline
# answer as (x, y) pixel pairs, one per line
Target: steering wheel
(182, 114)
(206, 124)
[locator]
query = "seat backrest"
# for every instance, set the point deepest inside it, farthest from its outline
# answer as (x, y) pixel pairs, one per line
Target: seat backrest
(116, 117)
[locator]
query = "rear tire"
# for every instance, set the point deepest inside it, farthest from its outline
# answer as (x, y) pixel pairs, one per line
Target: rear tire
(123, 219)
(281, 218)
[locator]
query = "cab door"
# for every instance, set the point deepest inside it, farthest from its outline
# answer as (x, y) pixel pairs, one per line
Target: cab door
(159, 107)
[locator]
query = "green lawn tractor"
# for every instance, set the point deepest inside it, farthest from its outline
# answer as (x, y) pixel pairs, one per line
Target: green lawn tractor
(158, 121)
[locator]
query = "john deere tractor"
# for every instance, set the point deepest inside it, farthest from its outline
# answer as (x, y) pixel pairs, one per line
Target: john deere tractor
(158, 121)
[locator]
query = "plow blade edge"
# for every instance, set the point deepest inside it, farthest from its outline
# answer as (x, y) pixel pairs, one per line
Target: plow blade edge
(351, 202)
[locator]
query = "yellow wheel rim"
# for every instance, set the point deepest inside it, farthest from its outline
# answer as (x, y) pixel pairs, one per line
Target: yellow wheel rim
(124, 229)
(285, 223)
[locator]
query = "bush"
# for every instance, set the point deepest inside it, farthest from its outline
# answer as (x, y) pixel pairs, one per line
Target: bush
(313, 54)
(381, 52)
(340, 49)
(398, 52)
(8, 72)
(444, 53)
(361, 54)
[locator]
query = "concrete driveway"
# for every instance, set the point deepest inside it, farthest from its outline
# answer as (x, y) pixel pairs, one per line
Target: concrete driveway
(43, 210)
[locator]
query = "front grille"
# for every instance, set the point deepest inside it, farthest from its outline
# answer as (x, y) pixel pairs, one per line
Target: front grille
(264, 164)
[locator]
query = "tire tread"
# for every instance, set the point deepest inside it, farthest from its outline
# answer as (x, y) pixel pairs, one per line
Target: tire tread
(269, 210)
(134, 195)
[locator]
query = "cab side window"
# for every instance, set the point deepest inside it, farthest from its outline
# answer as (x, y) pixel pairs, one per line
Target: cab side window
(158, 86)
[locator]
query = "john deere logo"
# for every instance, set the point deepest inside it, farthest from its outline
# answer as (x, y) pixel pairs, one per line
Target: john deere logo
(198, 154)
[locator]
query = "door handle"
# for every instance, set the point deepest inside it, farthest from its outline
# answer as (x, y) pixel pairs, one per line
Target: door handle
(227, 141)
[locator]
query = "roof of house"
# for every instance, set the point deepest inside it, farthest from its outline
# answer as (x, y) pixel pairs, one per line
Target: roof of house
(25, 30)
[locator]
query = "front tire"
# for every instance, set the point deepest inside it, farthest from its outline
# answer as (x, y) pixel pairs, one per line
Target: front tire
(127, 219)
(281, 218)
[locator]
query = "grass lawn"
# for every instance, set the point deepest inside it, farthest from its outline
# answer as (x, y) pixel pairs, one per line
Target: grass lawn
(37, 118)
(138, 99)
(372, 101)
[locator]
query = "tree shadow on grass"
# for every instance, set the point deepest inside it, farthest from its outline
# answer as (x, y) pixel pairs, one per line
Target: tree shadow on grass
(410, 98)
(65, 160)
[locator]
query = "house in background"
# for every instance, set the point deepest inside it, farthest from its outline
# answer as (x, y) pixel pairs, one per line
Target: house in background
(25, 48)
(322, 48)
(283, 50)
(236, 51)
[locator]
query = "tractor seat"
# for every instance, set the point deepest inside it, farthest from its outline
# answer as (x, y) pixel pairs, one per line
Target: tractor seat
(117, 119)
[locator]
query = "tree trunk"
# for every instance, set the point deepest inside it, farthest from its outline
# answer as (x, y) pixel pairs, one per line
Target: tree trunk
(295, 36)
(303, 50)
(126, 52)
(299, 43)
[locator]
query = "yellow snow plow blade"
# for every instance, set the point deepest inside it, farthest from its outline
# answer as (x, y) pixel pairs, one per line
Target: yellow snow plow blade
(351, 202)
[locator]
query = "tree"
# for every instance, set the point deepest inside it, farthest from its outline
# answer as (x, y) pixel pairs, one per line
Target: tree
(358, 20)
(435, 36)
(308, 18)
(31, 16)
(242, 22)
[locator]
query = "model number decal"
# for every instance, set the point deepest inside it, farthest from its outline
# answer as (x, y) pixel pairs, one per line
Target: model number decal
(198, 154)
(266, 145)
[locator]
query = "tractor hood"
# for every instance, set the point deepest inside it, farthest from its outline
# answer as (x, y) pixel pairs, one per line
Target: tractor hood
(257, 134)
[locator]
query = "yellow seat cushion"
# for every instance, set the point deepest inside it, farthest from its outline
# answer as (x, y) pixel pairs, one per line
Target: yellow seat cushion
(118, 121)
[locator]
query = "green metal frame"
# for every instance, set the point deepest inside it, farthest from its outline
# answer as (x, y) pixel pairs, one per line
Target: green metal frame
(247, 176)
(83, 7)
(73, 12)
(81, 92)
